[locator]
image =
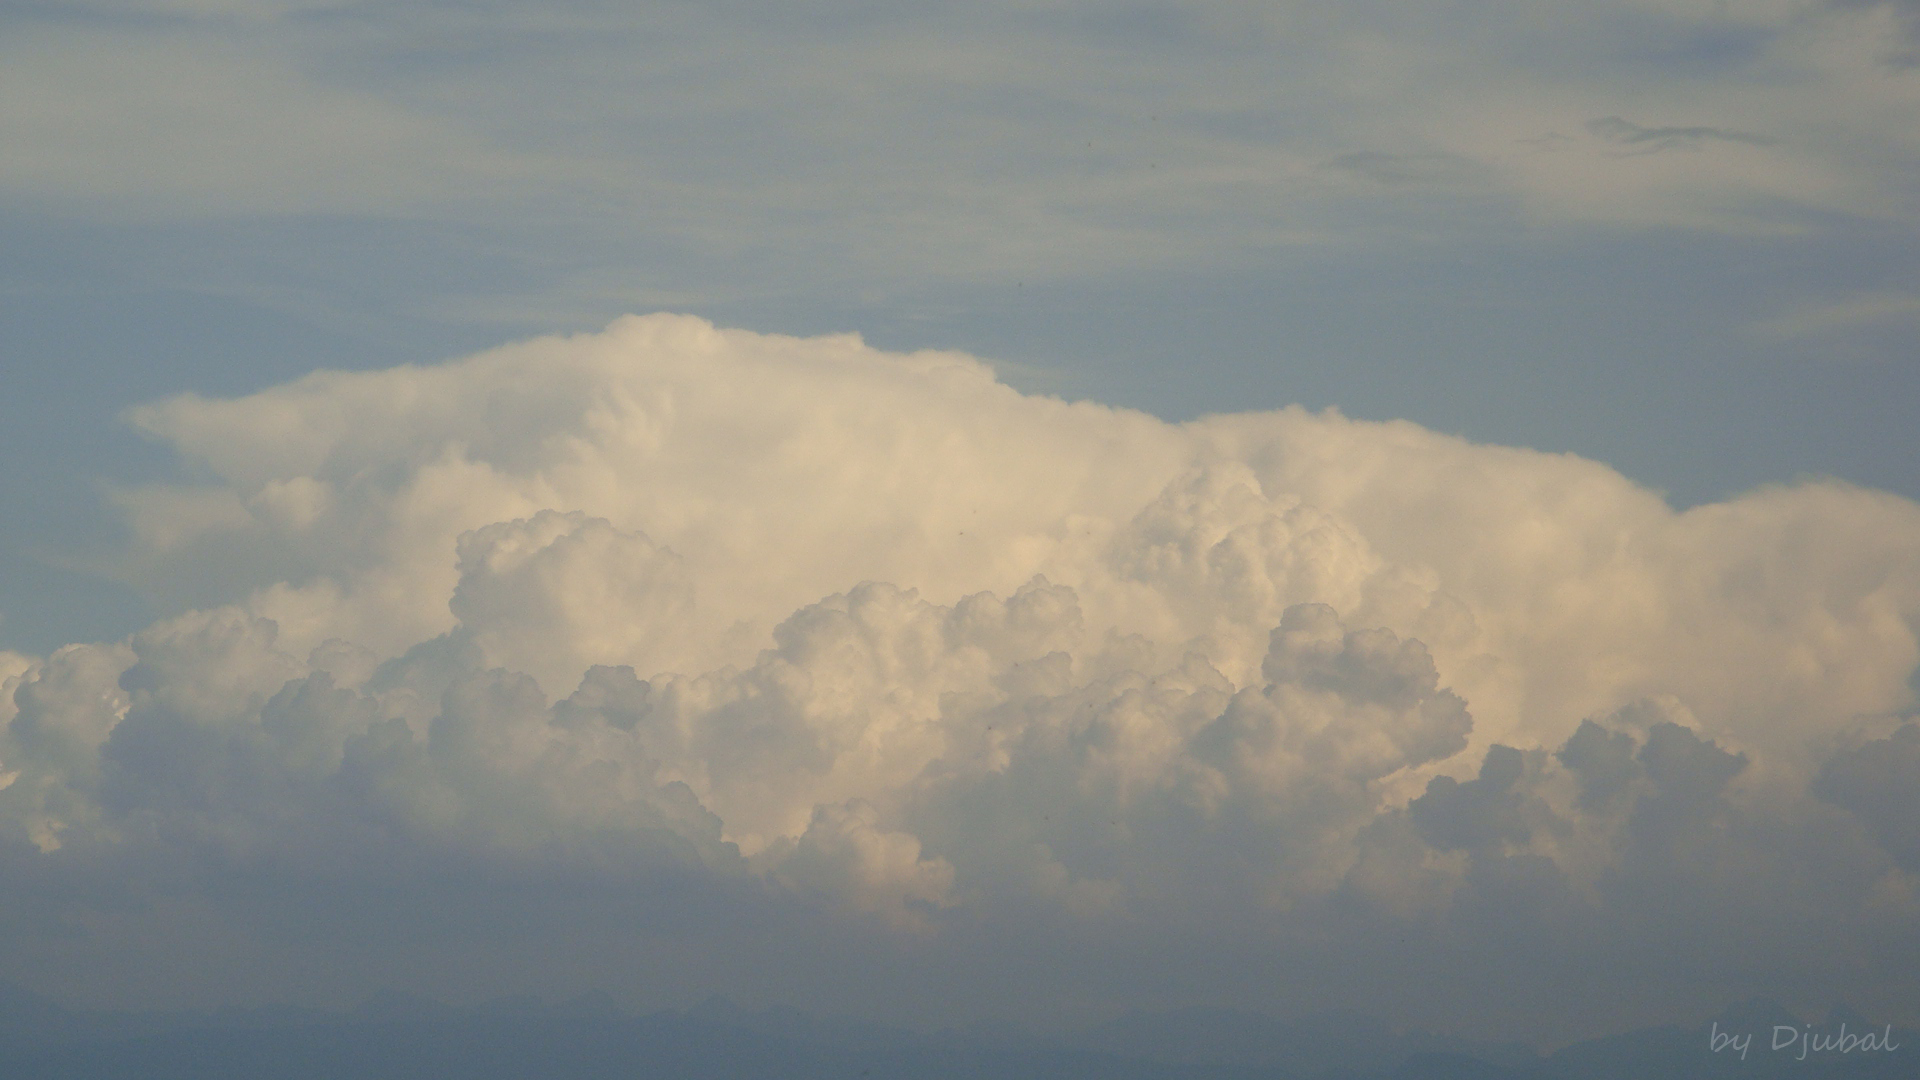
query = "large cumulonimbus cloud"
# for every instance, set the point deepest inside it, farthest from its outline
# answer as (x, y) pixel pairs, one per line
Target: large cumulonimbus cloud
(677, 659)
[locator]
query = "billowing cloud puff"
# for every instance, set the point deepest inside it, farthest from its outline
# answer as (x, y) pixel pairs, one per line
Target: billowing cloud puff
(671, 646)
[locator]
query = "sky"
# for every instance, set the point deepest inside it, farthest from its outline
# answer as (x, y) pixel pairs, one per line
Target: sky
(1405, 505)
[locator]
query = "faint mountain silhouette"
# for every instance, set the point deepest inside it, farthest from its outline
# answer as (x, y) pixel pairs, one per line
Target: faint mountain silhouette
(397, 1036)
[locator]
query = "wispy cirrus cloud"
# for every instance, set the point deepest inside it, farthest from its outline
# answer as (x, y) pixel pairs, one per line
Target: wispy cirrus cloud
(1042, 140)
(1869, 310)
(1654, 140)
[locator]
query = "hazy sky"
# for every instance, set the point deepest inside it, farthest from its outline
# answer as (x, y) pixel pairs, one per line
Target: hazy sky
(913, 680)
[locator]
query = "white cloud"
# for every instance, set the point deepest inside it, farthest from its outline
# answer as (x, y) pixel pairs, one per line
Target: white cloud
(873, 637)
